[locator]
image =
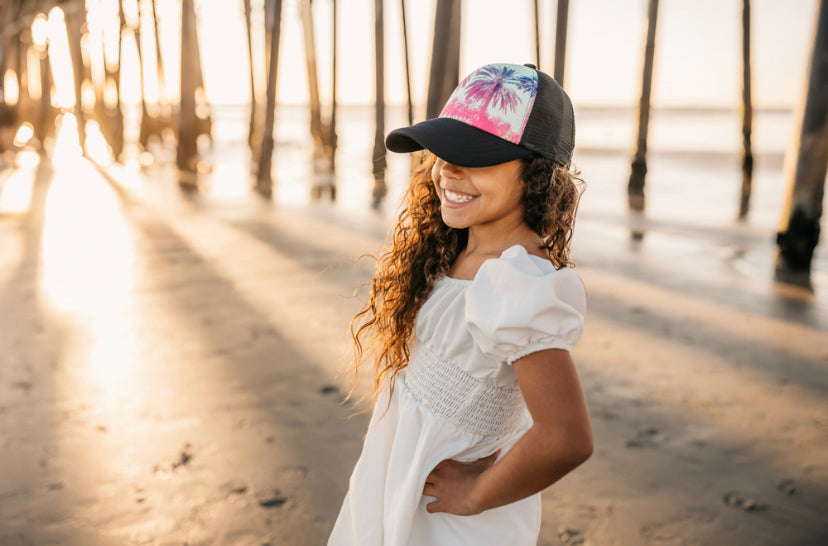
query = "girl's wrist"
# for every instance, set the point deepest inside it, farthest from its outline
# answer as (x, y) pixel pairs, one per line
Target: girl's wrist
(477, 502)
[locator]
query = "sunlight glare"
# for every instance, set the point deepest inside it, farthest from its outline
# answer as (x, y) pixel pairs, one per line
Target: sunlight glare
(88, 96)
(93, 42)
(56, 16)
(85, 58)
(11, 90)
(27, 159)
(146, 159)
(110, 93)
(229, 180)
(130, 73)
(60, 61)
(40, 32)
(130, 8)
(67, 150)
(87, 250)
(16, 190)
(202, 106)
(33, 74)
(110, 25)
(96, 145)
(24, 134)
(112, 355)
(148, 57)
(16, 193)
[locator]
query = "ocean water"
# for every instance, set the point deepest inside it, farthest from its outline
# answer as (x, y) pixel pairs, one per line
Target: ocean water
(694, 160)
(692, 186)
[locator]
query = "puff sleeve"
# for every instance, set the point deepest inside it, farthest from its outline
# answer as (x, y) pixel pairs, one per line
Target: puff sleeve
(519, 304)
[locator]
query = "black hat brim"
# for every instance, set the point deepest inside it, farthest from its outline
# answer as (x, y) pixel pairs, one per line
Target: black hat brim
(455, 142)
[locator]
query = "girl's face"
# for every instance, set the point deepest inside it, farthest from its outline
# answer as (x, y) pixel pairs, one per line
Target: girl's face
(479, 196)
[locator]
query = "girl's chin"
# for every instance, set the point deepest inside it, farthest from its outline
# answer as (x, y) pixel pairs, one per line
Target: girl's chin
(454, 222)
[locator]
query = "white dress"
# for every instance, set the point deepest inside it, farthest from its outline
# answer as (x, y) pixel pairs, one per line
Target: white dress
(459, 398)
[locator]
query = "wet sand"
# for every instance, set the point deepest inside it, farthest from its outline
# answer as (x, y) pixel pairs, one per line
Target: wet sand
(172, 371)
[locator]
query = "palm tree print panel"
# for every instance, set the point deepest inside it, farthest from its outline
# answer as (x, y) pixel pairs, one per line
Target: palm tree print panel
(496, 98)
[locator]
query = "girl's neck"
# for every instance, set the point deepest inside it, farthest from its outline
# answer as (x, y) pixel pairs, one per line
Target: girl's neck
(485, 244)
(491, 242)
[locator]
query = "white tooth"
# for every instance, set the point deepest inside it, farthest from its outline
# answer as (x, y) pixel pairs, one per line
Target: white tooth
(457, 197)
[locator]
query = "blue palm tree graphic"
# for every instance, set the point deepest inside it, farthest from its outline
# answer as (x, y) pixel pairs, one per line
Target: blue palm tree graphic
(499, 85)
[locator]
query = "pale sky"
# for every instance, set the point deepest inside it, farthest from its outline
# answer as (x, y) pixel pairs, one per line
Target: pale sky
(698, 48)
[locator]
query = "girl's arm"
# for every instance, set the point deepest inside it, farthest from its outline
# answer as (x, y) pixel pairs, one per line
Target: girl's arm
(559, 440)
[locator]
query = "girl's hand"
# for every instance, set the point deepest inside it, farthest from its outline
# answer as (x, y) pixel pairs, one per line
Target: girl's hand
(452, 482)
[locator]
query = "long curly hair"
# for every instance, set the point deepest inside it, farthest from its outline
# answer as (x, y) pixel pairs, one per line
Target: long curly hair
(422, 249)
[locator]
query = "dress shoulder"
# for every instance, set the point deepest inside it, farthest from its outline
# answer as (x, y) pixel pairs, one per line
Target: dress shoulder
(519, 304)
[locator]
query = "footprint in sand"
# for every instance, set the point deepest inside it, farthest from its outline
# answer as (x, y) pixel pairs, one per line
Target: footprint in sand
(272, 499)
(235, 487)
(571, 537)
(787, 486)
(735, 500)
(183, 459)
(25, 386)
(648, 437)
(672, 529)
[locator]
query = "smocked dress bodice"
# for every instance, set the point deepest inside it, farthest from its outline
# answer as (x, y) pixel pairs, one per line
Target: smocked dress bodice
(459, 398)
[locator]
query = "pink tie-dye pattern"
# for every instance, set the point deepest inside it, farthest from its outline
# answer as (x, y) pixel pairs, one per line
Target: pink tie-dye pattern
(494, 125)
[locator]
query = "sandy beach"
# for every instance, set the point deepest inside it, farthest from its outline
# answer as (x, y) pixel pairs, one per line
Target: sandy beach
(173, 363)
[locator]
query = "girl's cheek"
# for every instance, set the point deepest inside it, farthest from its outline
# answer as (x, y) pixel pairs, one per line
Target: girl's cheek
(435, 175)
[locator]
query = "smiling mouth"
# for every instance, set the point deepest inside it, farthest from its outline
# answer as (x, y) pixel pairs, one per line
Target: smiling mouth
(457, 198)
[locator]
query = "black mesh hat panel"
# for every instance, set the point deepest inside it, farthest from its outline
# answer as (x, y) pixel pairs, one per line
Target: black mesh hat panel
(550, 130)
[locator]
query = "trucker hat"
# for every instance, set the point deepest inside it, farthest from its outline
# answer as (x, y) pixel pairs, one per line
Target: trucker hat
(498, 113)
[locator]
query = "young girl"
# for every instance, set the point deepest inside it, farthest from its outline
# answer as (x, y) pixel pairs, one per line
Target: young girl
(472, 312)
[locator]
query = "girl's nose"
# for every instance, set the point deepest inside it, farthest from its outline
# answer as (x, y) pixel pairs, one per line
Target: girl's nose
(450, 169)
